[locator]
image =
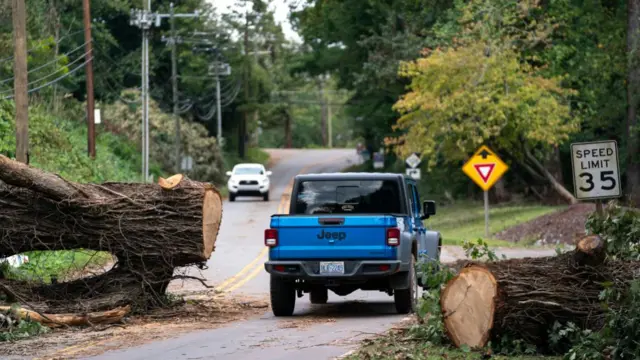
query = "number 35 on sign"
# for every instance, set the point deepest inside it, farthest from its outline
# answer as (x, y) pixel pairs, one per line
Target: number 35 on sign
(596, 173)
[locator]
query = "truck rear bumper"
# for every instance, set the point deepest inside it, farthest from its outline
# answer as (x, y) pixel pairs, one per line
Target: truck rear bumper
(353, 270)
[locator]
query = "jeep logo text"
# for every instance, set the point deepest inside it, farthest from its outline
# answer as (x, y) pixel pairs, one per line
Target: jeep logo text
(337, 235)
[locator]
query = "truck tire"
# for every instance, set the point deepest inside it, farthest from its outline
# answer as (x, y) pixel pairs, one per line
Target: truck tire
(406, 300)
(283, 296)
(265, 197)
(232, 197)
(319, 295)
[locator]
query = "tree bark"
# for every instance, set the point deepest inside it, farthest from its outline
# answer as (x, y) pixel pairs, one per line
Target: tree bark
(557, 186)
(523, 298)
(500, 193)
(60, 320)
(42, 211)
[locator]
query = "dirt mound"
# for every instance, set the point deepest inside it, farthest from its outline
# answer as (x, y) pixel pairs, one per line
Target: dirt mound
(560, 227)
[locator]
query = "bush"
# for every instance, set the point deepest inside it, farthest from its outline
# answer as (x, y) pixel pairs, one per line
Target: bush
(208, 164)
(59, 145)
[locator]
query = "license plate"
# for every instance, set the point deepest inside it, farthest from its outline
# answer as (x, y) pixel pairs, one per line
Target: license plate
(331, 267)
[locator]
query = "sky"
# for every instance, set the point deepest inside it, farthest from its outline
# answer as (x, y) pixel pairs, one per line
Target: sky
(281, 8)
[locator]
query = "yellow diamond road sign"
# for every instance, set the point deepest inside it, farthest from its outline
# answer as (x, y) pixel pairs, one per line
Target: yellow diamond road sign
(485, 168)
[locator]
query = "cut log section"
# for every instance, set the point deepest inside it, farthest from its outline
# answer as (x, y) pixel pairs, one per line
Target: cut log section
(177, 221)
(151, 229)
(468, 306)
(523, 298)
(60, 320)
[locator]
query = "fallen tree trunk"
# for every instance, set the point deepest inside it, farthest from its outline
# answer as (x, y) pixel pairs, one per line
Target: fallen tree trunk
(523, 298)
(40, 211)
(150, 229)
(60, 320)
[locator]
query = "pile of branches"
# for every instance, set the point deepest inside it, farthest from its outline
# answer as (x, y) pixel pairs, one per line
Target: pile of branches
(525, 298)
(150, 229)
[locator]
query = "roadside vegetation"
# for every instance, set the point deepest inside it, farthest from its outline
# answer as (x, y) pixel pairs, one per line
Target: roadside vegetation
(464, 221)
(425, 338)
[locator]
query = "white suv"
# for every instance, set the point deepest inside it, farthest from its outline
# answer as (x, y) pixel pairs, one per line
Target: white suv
(248, 180)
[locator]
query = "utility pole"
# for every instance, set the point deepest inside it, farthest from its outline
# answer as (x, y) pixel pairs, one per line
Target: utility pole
(219, 112)
(174, 85)
(91, 141)
(20, 80)
(144, 20)
(173, 41)
(243, 122)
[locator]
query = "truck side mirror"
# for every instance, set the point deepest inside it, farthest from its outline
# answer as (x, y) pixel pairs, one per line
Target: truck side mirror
(428, 209)
(269, 173)
(229, 173)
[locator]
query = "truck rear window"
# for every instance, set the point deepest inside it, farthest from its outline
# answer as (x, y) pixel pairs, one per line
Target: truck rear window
(348, 196)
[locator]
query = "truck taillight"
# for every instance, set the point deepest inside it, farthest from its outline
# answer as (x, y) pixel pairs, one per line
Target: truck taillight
(393, 237)
(271, 237)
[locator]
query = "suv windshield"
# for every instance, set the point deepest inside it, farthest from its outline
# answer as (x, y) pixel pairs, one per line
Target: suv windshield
(348, 196)
(249, 170)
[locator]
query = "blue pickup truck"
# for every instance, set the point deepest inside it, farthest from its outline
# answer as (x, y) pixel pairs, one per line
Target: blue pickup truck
(347, 232)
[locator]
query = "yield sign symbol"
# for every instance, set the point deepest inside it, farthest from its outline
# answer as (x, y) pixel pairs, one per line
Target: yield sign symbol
(484, 170)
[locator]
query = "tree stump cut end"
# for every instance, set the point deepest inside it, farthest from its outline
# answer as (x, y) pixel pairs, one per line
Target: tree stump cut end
(468, 306)
(590, 244)
(170, 182)
(211, 219)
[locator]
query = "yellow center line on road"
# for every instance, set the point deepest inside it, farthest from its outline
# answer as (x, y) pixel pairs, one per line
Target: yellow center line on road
(253, 266)
(231, 280)
(282, 209)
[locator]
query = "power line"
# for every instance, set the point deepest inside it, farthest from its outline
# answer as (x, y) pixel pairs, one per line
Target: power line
(55, 80)
(43, 45)
(45, 65)
(51, 74)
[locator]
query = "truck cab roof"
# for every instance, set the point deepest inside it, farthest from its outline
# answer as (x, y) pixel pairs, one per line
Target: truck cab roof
(353, 176)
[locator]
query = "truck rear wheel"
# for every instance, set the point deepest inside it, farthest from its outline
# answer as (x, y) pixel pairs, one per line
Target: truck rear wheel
(406, 300)
(319, 295)
(283, 296)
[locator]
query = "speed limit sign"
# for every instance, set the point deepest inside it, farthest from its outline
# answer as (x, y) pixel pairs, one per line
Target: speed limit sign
(596, 172)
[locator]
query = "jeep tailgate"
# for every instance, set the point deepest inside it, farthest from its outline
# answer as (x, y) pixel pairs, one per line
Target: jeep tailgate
(329, 237)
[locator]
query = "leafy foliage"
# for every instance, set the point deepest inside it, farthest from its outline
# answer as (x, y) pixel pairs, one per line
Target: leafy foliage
(12, 327)
(59, 145)
(121, 118)
(478, 90)
(620, 228)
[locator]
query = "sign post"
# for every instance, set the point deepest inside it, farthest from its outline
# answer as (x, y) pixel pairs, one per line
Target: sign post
(412, 162)
(596, 171)
(485, 168)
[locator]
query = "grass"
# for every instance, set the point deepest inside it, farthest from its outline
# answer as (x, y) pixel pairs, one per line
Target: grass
(465, 221)
(44, 265)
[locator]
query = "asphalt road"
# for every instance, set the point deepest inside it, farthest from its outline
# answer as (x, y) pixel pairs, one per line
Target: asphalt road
(236, 269)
